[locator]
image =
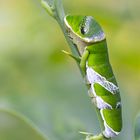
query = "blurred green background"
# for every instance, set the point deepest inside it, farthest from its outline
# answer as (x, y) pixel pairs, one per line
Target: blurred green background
(45, 86)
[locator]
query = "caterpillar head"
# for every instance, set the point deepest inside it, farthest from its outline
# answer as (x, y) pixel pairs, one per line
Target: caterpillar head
(85, 28)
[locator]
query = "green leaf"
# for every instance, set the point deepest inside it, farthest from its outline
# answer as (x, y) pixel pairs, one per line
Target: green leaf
(137, 128)
(14, 126)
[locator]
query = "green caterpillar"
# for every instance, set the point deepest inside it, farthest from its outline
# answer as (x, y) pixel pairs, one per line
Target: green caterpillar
(90, 41)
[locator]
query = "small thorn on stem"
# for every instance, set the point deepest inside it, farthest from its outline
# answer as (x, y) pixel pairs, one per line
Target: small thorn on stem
(85, 133)
(90, 136)
(74, 57)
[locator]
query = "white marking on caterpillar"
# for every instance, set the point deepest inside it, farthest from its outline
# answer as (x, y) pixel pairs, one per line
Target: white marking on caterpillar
(96, 37)
(108, 132)
(94, 77)
(99, 102)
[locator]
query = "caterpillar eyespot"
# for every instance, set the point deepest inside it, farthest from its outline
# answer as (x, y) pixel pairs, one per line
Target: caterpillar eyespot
(88, 35)
(83, 30)
(84, 26)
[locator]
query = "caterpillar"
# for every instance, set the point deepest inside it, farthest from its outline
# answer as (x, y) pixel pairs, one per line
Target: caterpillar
(90, 41)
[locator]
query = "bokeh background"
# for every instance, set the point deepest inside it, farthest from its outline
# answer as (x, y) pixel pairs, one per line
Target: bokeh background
(45, 86)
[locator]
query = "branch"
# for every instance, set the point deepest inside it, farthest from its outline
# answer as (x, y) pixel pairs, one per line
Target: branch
(55, 9)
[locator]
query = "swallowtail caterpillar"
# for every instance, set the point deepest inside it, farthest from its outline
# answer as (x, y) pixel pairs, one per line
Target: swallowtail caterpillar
(90, 41)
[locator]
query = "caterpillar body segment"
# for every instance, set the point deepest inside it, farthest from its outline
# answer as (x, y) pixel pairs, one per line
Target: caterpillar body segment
(89, 38)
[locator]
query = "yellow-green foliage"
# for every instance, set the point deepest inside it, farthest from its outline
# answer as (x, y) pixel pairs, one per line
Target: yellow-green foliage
(37, 80)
